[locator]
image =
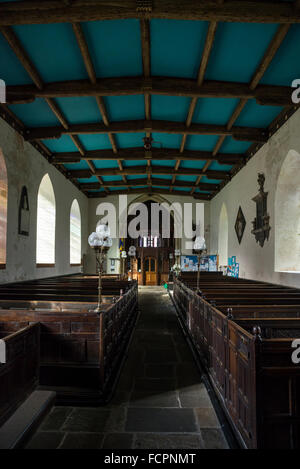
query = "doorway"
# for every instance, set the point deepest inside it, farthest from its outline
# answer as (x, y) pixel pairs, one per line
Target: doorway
(151, 271)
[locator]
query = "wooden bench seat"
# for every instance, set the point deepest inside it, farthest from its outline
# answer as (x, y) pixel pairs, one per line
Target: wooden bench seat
(80, 350)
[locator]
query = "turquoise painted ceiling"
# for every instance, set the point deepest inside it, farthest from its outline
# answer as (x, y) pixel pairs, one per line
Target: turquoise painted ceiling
(176, 49)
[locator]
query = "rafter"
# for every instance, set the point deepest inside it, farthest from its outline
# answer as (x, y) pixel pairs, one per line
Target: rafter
(160, 170)
(264, 64)
(210, 36)
(242, 133)
(84, 50)
(146, 58)
(169, 86)
(145, 181)
(145, 40)
(150, 191)
(139, 153)
(145, 170)
(93, 10)
(23, 57)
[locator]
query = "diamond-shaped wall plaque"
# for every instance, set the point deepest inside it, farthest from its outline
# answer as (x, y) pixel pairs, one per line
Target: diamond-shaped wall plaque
(240, 225)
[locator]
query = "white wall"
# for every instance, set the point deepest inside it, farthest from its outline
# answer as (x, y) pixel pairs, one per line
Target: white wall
(26, 166)
(114, 199)
(256, 262)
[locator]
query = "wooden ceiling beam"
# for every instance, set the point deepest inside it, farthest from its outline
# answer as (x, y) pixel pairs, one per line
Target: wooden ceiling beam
(245, 133)
(145, 170)
(210, 36)
(87, 59)
(149, 182)
(91, 165)
(269, 55)
(146, 57)
(160, 170)
(145, 39)
(139, 153)
(277, 95)
(150, 191)
(93, 10)
(23, 57)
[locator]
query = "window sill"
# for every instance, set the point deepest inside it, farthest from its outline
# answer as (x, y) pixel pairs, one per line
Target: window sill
(2, 266)
(75, 265)
(45, 265)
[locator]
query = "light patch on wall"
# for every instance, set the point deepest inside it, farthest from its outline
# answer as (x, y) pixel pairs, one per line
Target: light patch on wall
(287, 215)
(45, 240)
(75, 233)
(223, 236)
(3, 208)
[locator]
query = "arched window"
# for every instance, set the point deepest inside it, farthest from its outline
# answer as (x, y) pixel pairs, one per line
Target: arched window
(45, 239)
(223, 236)
(75, 234)
(287, 215)
(3, 210)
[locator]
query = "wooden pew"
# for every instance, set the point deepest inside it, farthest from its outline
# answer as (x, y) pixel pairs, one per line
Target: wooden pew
(61, 289)
(248, 359)
(81, 352)
(19, 370)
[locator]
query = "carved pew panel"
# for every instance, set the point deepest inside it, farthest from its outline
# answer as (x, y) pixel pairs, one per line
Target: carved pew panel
(19, 374)
(247, 351)
(80, 351)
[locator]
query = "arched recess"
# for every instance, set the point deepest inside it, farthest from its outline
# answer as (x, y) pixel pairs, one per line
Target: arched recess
(223, 236)
(3, 210)
(176, 215)
(75, 233)
(155, 198)
(287, 215)
(46, 216)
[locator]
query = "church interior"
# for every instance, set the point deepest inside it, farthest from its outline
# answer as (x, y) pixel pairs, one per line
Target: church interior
(149, 224)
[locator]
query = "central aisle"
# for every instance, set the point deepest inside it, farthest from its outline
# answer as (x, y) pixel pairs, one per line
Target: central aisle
(160, 402)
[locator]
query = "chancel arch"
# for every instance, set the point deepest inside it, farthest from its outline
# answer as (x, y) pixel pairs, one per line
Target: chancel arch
(75, 233)
(153, 262)
(223, 236)
(3, 210)
(46, 218)
(287, 215)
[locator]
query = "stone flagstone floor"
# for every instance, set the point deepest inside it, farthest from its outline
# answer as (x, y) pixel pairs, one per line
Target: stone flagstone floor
(160, 402)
